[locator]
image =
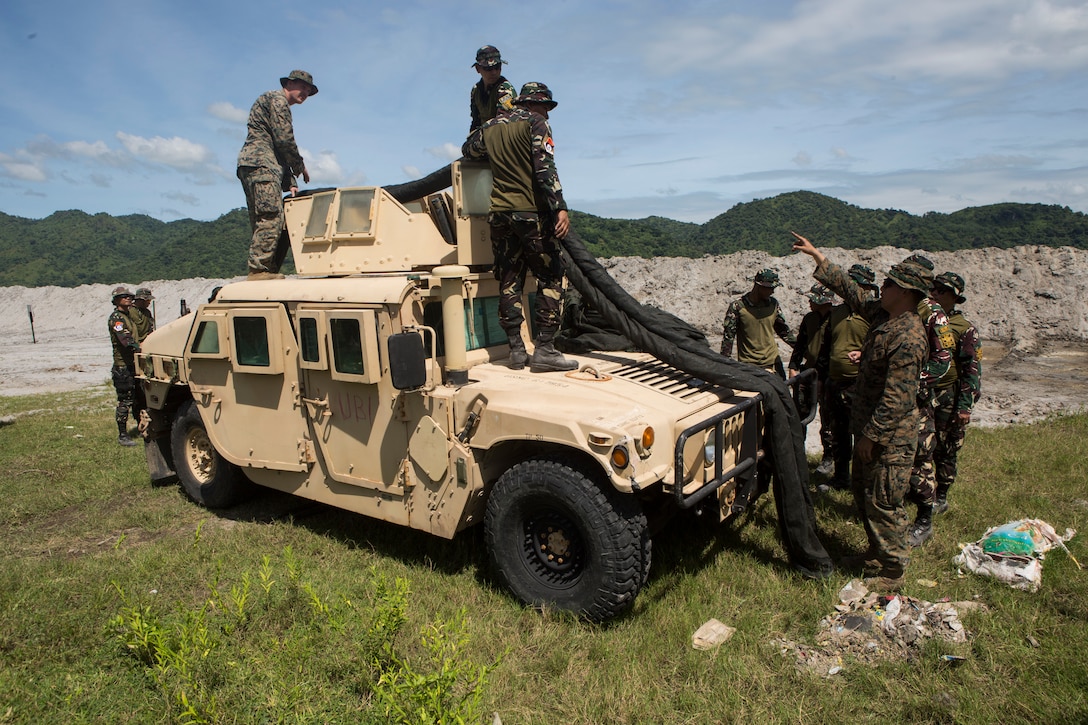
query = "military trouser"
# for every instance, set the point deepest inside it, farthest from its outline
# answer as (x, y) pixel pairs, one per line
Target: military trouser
(950, 434)
(880, 488)
(124, 382)
(264, 199)
(836, 401)
(922, 490)
(522, 242)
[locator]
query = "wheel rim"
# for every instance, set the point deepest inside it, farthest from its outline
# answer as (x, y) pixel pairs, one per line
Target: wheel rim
(553, 548)
(200, 454)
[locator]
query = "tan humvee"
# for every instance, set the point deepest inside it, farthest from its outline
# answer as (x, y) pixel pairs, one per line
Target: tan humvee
(377, 382)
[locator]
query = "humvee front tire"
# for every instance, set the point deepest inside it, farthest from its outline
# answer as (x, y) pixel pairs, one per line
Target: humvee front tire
(557, 539)
(206, 476)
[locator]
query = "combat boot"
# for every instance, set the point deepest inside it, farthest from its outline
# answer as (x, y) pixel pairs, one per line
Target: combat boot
(518, 354)
(826, 467)
(920, 531)
(941, 504)
(124, 440)
(546, 359)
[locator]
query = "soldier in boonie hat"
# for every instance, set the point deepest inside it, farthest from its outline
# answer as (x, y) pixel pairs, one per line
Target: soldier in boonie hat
(920, 260)
(300, 75)
(766, 278)
(863, 274)
(144, 293)
(953, 283)
(820, 295)
(534, 92)
(488, 57)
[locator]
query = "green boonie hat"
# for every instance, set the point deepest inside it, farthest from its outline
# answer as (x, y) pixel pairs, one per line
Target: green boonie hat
(121, 292)
(863, 274)
(488, 57)
(144, 293)
(953, 282)
(909, 275)
(919, 259)
(820, 295)
(767, 278)
(534, 92)
(300, 75)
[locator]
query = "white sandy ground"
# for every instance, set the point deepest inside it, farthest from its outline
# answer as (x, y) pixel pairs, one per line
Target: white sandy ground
(1028, 303)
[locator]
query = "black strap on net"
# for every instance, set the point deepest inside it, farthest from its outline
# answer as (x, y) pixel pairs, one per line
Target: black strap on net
(797, 521)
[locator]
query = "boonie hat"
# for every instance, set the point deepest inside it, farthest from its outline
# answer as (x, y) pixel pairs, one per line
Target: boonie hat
(863, 274)
(767, 278)
(488, 57)
(820, 295)
(300, 75)
(919, 259)
(909, 275)
(953, 282)
(121, 292)
(144, 293)
(533, 92)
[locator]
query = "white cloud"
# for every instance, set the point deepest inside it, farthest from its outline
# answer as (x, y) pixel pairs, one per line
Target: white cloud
(323, 167)
(176, 152)
(225, 111)
(22, 170)
(445, 152)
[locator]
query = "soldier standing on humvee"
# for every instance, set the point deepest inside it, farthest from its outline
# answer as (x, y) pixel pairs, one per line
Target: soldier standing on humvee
(123, 372)
(492, 94)
(528, 216)
(267, 166)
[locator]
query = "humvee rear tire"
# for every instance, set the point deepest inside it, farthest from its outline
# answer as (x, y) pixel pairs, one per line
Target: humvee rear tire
(559, 540)
(206, 476)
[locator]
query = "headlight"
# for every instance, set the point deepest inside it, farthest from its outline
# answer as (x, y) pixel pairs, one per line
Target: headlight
(620, 457)
(708, 454)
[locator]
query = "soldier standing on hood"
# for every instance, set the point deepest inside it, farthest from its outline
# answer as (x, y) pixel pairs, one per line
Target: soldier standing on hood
(492, 94)
(267, 166)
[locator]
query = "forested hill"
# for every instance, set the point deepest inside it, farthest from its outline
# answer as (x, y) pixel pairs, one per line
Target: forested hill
(70, 248)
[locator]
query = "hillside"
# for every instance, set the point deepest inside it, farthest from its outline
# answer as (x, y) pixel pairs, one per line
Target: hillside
(70, 248)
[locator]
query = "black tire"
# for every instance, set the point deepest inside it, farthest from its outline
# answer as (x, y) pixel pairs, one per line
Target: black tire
(206, 476)
(557, 539)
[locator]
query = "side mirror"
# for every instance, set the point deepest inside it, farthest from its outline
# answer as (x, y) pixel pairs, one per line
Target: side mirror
(407, 361)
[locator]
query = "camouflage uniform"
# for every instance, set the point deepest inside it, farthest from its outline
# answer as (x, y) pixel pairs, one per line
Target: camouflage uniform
(142, 320)
(846, 330)
(525, 197)
(956, 392)
(267, 166)
(806, 351)
(754, 325)
(486, 102)
(123, 372)
(885, 411)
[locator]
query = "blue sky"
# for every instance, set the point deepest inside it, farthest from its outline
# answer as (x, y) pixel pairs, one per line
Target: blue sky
(679, 109)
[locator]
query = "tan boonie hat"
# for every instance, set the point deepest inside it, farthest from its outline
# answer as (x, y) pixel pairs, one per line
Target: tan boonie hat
(300, 75)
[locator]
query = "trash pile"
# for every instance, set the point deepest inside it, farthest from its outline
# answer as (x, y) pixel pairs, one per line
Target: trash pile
(1013, 553)
(869, 627)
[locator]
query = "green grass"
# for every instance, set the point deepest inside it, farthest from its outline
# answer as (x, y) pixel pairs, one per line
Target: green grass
(282, 610)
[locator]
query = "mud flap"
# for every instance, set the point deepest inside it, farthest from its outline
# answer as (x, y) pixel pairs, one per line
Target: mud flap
(159, 461)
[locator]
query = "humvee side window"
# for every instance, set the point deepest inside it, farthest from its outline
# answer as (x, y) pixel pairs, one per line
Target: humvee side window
(251, 336)
(309, 341)
(347, 346)
(206, 341)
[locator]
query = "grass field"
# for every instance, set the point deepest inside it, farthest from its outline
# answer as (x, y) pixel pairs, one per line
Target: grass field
(126, 603)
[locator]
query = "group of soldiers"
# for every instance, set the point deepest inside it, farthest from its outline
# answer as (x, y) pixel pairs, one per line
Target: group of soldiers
(907, 415)
(131, 321)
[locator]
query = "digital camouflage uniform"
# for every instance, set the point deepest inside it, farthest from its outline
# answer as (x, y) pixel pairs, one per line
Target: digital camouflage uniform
(806, 351)
(123, 371)
(885, 411)
(956, 392)
(525, 197)
(754, 325)
(846, 330)
(486, 102)
(267, 166)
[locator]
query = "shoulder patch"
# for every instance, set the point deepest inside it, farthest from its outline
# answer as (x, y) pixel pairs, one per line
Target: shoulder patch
(118, 326)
